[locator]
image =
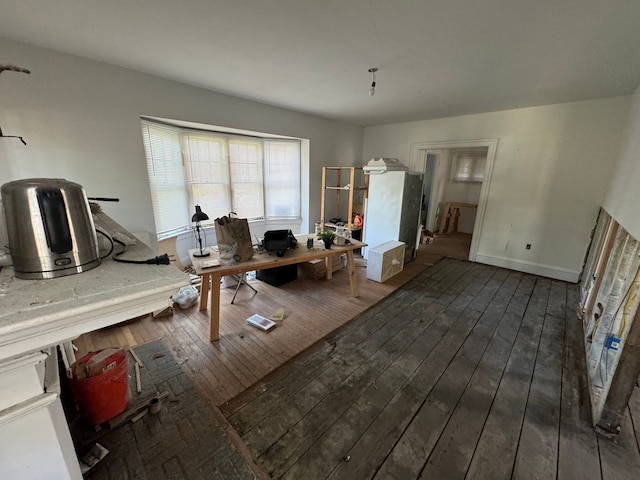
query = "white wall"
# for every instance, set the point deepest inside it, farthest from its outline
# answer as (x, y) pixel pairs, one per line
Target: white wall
(551, 170)
(623, 196)
(81, 122)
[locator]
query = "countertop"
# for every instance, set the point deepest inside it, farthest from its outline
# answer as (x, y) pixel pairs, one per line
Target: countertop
(35, 314)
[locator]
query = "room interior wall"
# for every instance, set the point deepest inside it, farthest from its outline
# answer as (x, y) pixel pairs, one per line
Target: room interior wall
(81, 121)
(623, 195)
(550, 176)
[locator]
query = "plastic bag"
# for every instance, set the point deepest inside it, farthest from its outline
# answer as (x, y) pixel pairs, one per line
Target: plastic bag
(186, 297)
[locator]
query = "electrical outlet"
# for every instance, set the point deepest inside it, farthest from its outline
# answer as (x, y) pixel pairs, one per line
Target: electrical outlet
(528, 247)
(612, 342)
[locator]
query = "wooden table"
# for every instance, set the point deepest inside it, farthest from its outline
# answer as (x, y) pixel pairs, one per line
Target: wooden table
(211, 276)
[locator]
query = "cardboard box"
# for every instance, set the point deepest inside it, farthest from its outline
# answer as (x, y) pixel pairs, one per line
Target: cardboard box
(317, 269)
(385, 261)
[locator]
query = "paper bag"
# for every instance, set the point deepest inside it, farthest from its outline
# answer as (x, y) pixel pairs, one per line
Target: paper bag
(231, 231)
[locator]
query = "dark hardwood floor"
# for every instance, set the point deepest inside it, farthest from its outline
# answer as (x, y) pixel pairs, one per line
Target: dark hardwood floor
(468, 371)
(456, 370)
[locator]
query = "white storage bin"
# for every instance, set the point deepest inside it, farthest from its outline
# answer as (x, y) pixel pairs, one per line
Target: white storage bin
(385, 261)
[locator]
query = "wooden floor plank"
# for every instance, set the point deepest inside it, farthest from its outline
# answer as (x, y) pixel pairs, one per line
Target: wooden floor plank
(537, 454)
(387, 411)
(301, 403)
(337, 441)
(496, 449)
(619, 458)
(452, 454)
(634, 413)
(200, 357)
(578, 457)
(358, 330)
(382, 436)
(408, 457)
(300, 437)
(325, 359)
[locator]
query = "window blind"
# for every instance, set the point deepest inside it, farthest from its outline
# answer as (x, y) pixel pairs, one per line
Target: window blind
(467, 167)
(166, 178)
(207, 168)
(282, 178)
(245, 161)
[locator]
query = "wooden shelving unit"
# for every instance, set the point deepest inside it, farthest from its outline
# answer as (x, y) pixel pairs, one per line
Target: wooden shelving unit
(345, 179)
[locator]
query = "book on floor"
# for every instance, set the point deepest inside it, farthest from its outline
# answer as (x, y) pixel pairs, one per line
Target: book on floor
(261, 322)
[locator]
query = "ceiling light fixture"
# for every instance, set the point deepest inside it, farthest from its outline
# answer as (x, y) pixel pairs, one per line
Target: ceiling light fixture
(372, 90)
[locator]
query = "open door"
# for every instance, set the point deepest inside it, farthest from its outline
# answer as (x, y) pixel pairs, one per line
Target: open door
(456, 178)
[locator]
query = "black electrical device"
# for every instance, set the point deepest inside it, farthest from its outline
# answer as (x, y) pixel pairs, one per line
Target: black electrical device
(279, 241)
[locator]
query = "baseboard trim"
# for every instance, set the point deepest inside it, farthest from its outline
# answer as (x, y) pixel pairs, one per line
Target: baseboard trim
(566, 275)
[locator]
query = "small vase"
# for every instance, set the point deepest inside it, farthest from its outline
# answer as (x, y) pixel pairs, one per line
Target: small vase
(327, 244)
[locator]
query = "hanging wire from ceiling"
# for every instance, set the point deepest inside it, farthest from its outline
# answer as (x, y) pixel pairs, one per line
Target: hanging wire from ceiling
(372, 90)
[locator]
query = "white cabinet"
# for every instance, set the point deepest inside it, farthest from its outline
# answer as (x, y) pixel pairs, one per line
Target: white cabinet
(34, 439)
(393, 210)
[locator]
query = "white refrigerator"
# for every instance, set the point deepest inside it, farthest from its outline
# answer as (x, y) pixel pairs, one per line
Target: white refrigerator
(393, 210)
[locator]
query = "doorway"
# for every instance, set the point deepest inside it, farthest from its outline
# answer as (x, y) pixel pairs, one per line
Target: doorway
(456, 185)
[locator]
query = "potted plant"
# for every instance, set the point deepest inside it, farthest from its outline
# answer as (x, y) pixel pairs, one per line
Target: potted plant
(327, 237)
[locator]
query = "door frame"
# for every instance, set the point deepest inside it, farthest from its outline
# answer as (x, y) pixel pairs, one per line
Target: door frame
(420, 148)
(429, 221)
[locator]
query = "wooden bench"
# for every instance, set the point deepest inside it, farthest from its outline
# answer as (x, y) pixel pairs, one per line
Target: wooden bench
(450, 216)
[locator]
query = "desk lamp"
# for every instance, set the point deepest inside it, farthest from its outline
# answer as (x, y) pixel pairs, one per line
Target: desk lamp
(198, 217)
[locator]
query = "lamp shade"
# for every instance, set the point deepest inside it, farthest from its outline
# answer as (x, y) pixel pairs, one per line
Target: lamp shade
(199, 216)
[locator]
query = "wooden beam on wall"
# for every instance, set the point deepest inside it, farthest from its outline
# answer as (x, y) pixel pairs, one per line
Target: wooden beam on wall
(624, 381)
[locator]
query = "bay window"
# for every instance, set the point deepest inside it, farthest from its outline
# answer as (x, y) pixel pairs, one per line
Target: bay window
(256, 177)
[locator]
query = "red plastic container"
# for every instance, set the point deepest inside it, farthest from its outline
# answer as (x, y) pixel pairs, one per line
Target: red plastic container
(103, 396)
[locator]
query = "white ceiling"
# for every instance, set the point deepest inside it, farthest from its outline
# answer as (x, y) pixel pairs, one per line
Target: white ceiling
(436, 58)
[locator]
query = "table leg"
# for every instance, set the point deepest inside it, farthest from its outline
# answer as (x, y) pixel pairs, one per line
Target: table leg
(328, 261)
(205, 285)
(214, 333)
(351, 269)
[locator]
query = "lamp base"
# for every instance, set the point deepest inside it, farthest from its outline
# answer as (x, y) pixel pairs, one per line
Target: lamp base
(201, 254)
